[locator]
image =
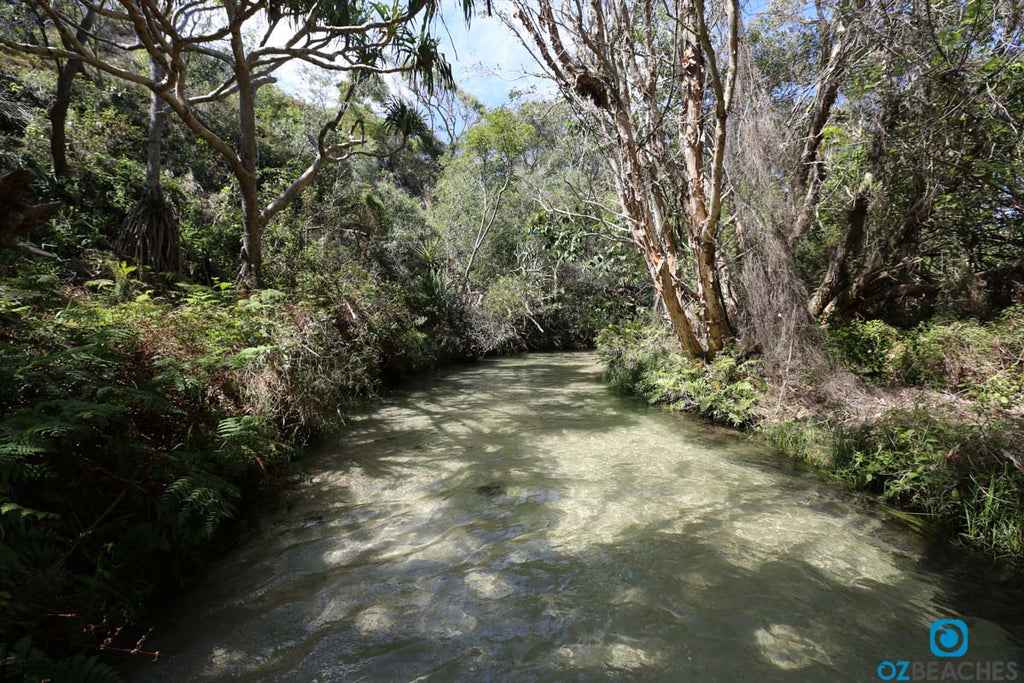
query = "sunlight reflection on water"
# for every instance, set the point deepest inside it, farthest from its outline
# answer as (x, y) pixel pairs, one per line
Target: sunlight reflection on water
(516, 520)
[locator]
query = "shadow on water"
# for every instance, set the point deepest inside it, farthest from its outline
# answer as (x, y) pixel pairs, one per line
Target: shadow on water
(517, 521)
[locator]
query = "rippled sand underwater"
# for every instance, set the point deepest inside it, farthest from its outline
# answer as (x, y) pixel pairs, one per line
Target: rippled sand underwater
(517, 520)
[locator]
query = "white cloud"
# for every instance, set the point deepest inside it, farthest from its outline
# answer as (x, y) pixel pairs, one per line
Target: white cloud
(487, 59)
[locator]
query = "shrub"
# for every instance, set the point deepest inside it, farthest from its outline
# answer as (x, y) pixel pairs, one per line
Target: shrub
(967, 481)
(133, 423)
(984, 361)
(118, 464)
(639, 360)
(632, 351)
(867, 348)
(507, 311)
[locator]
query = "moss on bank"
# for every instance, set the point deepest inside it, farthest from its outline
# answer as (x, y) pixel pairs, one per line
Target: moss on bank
(965, 479)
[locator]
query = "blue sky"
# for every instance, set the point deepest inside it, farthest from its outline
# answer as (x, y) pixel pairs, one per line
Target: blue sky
(487, 59)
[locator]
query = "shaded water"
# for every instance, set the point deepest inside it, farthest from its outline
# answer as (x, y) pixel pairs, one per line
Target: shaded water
(516, 520)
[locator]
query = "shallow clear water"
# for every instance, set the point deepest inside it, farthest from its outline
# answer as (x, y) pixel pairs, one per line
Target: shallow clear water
(516, 520)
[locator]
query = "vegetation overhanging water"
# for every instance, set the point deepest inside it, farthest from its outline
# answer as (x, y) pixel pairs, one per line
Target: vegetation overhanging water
(518, 520)
(216, 241)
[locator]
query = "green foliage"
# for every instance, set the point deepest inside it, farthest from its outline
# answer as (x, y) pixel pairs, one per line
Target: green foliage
(501, 136)
(132, 427)
(632, 351)
(639, 360)
(24, 662)
(507, 311)
(867, 347)
(725, 390)
(112, 480)
(526, 278)
(981, 360)
(966, 481)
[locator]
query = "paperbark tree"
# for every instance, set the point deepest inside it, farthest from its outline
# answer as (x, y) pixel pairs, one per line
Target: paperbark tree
(649, 77)
(355, 38)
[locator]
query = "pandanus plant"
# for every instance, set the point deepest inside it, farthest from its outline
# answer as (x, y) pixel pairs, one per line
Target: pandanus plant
(354, 38)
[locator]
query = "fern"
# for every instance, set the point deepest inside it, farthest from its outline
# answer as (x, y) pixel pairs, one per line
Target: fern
(240, 427)
(28, 663)
(199, 497)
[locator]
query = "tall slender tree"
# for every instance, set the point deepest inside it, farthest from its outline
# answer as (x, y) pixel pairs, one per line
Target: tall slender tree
(657, 80)
(67, 70)
(150, 235)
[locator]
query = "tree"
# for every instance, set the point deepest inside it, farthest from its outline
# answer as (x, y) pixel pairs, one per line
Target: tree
(493, 149)
(792, 69)
(354, 38)
(23, 22)
(513, 233)
(649, 78)
(922, 165)
(67, 71)
(449, 114)
(150, 234)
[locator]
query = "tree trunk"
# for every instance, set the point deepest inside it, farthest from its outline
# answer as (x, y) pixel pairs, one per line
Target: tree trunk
(250, 271)
(701, 225)
(58, 113)
(654, 119)
(837, 42)
(719, 329)
(837, 277)
(886, 263)
(17, 218)
(150, 235)
(59, 117)
(655, 239)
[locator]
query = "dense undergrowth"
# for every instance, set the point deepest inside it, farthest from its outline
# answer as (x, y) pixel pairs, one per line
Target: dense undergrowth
(983, 361)
(964, 480)
(641, 359)
(138, 418)
(134, 421)
(962, 476)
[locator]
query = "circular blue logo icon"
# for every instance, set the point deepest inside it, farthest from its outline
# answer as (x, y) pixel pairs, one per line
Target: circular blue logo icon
(948, 638)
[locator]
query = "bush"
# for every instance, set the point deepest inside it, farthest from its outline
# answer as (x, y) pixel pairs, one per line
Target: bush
(630, 352)
(967, 481)
(982, 360)
(503, 320)
(134, 422)
(639, 360)
(867, 348)
(119, 462)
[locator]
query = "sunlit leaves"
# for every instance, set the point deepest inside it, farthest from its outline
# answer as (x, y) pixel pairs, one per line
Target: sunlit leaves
(404, 120)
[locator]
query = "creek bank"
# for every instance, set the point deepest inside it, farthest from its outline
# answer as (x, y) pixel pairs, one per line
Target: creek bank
(950, 464)
(141, 424)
